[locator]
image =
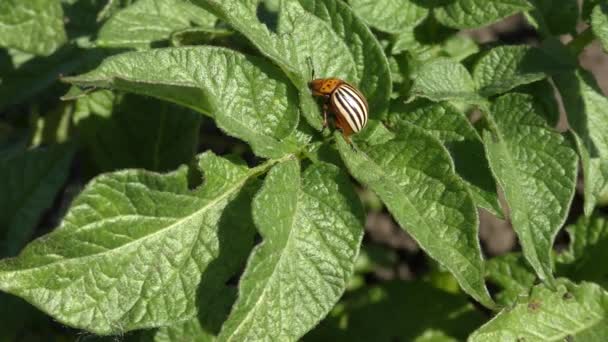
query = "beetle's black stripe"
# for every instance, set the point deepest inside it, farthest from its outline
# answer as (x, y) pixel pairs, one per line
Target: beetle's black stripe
(351, 107)
(360, 100)
(345, 108)
(358, 111)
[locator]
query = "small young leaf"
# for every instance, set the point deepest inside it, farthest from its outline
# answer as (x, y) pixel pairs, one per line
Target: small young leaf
(33, 26)
(130, 131)
(513, 275)
(391, 16)
(414, 176)
(587, 110)
(476, 13)
(312, 228)
(599, 24)
(455, 131)
(445, 80)
(506, 67)
(573, 312)
(399, 311)
(536, 168)
(248, 97)
(589, 245)
(135, 246)
(29, 182)
(149, 21)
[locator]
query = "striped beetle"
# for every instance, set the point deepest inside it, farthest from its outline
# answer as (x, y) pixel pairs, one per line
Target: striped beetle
(345, 101)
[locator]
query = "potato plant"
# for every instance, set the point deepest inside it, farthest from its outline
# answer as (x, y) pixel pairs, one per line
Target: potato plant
(165, 173)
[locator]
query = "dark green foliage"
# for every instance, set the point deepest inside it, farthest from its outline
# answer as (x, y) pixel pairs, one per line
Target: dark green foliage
(150, 144)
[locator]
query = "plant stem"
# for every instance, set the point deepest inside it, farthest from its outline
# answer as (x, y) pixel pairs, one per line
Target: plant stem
(578, 44)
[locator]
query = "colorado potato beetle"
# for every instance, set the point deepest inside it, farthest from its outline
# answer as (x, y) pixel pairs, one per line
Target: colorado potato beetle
(344, 100)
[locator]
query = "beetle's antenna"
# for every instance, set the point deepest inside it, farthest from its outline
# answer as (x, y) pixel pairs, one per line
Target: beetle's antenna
(311, 67)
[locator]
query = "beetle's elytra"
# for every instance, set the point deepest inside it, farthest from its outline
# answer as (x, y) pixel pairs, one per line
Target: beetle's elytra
(345, 101)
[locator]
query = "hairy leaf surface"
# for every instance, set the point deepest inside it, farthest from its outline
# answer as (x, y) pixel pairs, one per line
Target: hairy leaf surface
(249, 98)
(455, 131)
(476, 13)
(573, 312)
(536, 168)
(135, 246)
(445, 80)
(149, 21)
(391, 16)
(506, 67)
(414, 176)
(33, 26)
(312, 226)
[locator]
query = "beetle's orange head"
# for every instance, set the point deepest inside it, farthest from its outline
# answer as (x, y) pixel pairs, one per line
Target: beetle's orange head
(324, 86)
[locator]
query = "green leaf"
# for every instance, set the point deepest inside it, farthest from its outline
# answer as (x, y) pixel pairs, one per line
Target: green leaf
(459, 47)
(573, 312)
(599, 24)
(556, 17)
(589, 244)
(111, 7)
(455, 131)
(506, 67)
(476, 13)
(135, 246)
(399, 311)
(205, 326)
(445, 80)
(587, 110)
(33, 26)
(414, 176)
(374, 76)
(189, 331)
(587, 9)
(325, 32)
(199, 36)
(29, 182)
(26, 75)
(249, 98)
(425, 41)
(513, 275)
(374, 134)
(150, 21)
(312, 228)
(391, 16)
(130, 131)
(536, 168)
